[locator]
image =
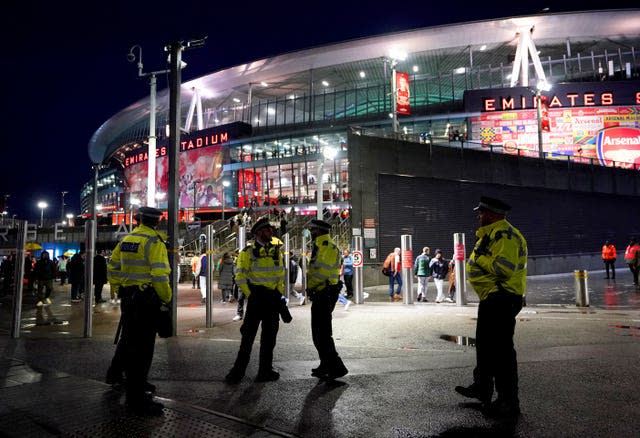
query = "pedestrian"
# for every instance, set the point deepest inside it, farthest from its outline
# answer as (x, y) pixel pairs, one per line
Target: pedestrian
(497, 270)
(346, 271)
(99, 275)
(202, 275)
(29, 273)
(139, 271)
(609, 255)
(7, 270)
(62, 269)
(260, 277)
(195, 269)
(423, 272)
(225, 281)
(632, 259)
(45, 273)
(451, 289)
(392, 268)
(293, 279)
(76, 276)
(323, 289)
(439, 270)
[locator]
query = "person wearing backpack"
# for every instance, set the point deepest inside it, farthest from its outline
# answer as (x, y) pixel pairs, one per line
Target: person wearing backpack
(392, 267)
(423, 272)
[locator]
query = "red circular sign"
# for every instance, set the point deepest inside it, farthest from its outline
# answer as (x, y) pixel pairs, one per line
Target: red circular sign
(459, 251)
(357, 259)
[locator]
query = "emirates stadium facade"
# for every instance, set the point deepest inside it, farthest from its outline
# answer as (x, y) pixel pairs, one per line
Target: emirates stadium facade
(408, 129)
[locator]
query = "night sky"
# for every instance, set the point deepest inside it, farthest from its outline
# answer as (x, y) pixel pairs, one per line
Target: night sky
(65, 70)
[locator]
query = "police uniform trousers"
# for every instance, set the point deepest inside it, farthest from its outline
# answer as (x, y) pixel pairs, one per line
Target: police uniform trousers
(262, 307)
(322, 307)
(138, 338)
(495, 353)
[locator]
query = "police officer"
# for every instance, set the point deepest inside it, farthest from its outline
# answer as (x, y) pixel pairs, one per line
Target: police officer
(323, 287)
(497, 270)
(139, 271)
(260, 278)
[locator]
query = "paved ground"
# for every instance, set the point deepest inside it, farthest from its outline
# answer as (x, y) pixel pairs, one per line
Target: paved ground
(578, 370)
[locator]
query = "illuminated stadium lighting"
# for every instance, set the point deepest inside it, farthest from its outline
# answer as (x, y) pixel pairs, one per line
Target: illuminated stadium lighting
(362, 74)
(415, 69)
(325, 83)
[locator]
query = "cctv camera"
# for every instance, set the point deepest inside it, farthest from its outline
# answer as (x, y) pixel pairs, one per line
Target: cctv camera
(131, 57)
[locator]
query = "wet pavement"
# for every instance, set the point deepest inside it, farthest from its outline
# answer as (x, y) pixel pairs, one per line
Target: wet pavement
(578, 367)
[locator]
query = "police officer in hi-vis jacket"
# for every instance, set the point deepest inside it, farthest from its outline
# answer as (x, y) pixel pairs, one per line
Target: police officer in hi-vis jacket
(323, 287)
(138, 271)
(497, 270)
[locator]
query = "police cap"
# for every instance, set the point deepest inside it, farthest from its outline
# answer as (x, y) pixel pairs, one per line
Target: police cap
(150, 212)
(492, 204)
(260, 224)
(322, 225)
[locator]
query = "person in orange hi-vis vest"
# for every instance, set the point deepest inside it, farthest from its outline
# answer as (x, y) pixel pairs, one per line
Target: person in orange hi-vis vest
(632, 259)
(609, 256)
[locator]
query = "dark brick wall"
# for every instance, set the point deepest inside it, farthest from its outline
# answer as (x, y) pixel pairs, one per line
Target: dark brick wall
(429, 192)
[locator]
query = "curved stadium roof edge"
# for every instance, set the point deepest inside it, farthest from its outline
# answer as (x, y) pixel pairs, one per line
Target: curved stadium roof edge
(549, 28)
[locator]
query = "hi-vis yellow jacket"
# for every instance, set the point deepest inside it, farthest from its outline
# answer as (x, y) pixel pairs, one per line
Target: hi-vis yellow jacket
(140, 259)
(324, 266)
(498, 260)
(260, 266)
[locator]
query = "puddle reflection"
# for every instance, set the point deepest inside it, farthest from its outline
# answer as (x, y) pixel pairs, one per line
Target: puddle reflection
(460, 340)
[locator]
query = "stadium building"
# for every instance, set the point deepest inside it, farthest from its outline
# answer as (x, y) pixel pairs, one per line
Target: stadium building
(405, 131)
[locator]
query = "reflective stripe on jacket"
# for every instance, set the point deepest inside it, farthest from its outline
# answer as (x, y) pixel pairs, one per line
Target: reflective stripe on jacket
(498, 260)
(324, 266)
(260, 266)
(609, 252)
(140, 259)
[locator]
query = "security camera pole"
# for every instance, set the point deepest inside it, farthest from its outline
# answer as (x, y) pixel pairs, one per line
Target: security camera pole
(175, 49)
(151, 161)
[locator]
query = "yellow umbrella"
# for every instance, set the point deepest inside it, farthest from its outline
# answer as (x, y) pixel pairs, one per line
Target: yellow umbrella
(32, 246)
(68, 253)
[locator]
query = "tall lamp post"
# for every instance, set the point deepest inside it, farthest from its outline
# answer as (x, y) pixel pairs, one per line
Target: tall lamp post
(151, 162)
(394, 57)
(540, 87)
(225, 184)
(330, 153)
(64, 192)
(42, 205)
(195, 185)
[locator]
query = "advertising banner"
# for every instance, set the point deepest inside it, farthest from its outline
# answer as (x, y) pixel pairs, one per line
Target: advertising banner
(403, 106)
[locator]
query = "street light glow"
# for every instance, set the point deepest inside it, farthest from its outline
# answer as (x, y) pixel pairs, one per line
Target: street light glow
(42, 205)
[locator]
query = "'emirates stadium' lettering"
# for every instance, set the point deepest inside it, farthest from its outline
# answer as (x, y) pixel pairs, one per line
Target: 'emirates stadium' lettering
(611, 141)
(208, 140)
(185, 145)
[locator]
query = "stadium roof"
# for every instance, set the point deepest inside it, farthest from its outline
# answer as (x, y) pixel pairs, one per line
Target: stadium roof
(435, 50)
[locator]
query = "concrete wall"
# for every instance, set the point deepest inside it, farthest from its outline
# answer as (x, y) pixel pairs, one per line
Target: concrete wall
(370, 157)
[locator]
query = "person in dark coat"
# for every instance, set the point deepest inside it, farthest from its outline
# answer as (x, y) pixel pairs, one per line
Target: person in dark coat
(45, 273)
(75, 269)
(99, 275)
(227, 272)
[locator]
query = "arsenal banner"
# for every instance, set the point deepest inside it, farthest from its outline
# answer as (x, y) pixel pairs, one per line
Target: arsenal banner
(402, 100)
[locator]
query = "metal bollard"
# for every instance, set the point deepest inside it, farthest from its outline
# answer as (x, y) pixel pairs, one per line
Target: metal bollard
(582, 290)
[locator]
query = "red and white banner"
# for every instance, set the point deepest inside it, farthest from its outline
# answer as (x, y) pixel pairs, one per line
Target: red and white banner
(402, 96)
